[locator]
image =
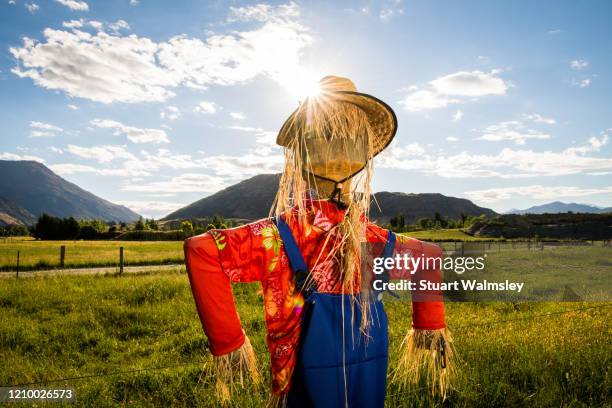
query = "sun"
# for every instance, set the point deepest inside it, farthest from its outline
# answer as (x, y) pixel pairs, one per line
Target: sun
(305, 85)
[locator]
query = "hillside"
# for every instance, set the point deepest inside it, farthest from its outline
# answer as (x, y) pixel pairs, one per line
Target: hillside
(251, 199)
(560, 207)
(28, 188)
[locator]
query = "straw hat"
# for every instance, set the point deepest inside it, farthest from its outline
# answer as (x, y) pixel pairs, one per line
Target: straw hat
(381, 117)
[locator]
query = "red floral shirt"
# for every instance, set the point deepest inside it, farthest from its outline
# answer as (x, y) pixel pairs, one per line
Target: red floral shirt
(254, 252)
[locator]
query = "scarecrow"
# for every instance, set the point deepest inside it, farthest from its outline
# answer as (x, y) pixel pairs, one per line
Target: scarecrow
(327, 331)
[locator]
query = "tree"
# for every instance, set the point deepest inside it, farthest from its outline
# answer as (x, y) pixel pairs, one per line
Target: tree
(152, 224)
(187, 228)
(139, 225)
(49, 227)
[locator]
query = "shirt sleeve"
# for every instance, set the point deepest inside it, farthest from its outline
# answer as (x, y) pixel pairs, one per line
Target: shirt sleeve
(427, 304)
(214, 260)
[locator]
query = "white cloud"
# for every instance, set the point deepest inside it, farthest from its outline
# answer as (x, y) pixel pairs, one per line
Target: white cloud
(594, 144)
(387, 13)
(265, 157)
(41, 133)
(32, 7)
(41, 129)
(71, 168)
(508, 163)
(554, 32)
(45, 126)
(511, 130)
(238, 115)
(536, 117)
(101, 153)
(134, 134)
(206, 107)
(73, 107)
(263, 12)
(151, 208)
(452, 139)
(170, 112)
(113, 67)
(425, 99)
(76, 5)
(474, 84)
(56, 150)
(122, 163)
(578, 64)
(185, 183)
(453, 89)
(458, 115)
(134, 2)
(100, 67)
(13, 156)
(119, 25)
(582, 83)
(538, 192)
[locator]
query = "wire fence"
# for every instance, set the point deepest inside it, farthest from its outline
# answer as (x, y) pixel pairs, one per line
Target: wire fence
(203, 363)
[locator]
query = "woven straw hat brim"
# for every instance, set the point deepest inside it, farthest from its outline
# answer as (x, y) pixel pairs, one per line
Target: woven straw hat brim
(381, 117)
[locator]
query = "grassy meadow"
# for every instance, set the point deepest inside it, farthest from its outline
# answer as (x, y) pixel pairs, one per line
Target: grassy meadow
(76, 326)
(35, 254)
(444, 235)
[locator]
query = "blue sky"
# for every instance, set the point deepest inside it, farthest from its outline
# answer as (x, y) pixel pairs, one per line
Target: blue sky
(156, 104)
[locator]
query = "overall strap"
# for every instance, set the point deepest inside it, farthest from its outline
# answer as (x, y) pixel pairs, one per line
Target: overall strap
(387, 253)
(296, 260)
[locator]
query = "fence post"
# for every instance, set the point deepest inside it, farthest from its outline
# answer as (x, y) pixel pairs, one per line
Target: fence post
(121, 260)
(17, 263)
(542, 245)
(62, 255)
(462, 248)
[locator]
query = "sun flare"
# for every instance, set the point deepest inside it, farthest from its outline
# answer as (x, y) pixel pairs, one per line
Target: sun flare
(305, 85)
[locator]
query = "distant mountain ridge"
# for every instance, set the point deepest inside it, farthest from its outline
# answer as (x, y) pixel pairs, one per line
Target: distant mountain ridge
(560, 207)
(28, 189)
(251, 199)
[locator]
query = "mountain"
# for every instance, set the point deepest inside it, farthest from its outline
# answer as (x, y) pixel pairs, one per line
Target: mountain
(251, 199)
(559, 207)
(424, 205)
(28, 188)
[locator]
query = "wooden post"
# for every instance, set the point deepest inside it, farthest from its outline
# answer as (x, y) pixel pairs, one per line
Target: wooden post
(17, 263)
(542, 245)
(120, 260)
(462, 248)
(62, 255)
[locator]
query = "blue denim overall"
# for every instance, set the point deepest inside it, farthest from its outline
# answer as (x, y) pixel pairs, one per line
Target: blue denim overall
(337, 366)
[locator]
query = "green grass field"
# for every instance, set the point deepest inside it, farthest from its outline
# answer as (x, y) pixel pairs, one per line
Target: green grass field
(73, 326)
(444, 235)
(46, 254)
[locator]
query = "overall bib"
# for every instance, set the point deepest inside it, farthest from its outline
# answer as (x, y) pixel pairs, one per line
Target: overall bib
(337, 365)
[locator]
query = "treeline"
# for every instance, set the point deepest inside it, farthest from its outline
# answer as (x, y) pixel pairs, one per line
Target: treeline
(398, 223)
(579, 226)
(55, 228)
(15, 230)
